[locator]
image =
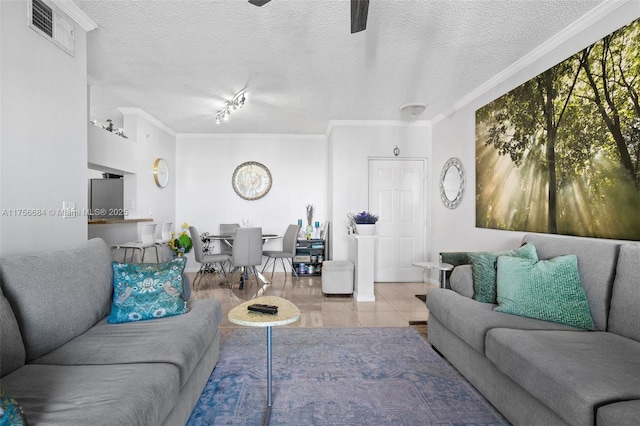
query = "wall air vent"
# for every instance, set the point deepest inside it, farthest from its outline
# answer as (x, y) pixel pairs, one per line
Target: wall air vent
(52, 24)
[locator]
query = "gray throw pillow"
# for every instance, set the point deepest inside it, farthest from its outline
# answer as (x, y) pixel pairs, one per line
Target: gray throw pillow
(461, 280)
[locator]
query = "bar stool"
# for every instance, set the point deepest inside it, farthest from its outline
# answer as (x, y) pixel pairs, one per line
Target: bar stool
(165, 235)
(147, 240)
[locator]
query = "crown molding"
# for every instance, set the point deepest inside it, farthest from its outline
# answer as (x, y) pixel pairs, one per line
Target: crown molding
(75, 13)
(254, 136)
(376, 123)
(604, 9)
(148, 117)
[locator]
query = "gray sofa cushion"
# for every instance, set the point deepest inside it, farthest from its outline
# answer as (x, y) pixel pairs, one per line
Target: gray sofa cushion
(58, 295)
(179, 340)
(12, 354)
(572, 372)
(624, 318)
(625, 413)
(124, 394)
(596, 266)
(471, 320)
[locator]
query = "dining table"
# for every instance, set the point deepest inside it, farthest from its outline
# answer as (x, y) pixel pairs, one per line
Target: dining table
(228, 240)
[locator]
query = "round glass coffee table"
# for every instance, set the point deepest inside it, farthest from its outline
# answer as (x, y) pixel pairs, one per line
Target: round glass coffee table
(287, 313)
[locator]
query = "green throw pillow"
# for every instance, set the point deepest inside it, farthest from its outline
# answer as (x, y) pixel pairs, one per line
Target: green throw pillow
(549, 290)
(144, 291)
(484, 270)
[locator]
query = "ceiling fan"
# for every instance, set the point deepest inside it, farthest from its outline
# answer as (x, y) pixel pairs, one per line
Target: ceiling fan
(359, 11)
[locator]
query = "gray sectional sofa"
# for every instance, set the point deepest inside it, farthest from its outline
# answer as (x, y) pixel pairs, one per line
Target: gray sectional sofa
(544, 373)
(65, 364)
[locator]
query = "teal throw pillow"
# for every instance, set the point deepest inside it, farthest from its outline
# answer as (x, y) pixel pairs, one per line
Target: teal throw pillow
(484, 270)
(143, 291)
(10, 412)
(549, 290)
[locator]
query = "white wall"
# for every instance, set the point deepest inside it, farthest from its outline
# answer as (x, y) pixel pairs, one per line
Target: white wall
(43, 138)
(205, 197)
(134, 157)
(454, 136)
(43, 148)
(351, 145)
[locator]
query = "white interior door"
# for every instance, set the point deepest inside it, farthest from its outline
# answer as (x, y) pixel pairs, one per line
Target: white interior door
(397, 194)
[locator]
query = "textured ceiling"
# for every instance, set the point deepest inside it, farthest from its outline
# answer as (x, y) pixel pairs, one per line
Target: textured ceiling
(180, 60)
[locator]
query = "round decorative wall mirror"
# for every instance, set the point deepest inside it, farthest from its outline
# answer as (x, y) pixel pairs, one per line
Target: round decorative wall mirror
(452, 183)
(251, 180)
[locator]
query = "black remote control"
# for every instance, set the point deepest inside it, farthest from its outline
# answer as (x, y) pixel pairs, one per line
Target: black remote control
(266, 306)
(265, 309)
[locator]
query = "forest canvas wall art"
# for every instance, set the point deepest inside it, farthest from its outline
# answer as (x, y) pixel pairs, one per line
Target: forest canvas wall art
(560, 154)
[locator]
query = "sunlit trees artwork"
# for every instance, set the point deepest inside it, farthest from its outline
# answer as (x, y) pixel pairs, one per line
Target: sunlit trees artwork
(560, 154)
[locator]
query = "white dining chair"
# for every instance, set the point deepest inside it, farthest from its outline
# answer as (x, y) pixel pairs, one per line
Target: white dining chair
(147, 240)
(165, 237)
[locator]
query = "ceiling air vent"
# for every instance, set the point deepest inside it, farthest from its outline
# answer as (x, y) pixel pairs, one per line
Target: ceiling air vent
(52, 24)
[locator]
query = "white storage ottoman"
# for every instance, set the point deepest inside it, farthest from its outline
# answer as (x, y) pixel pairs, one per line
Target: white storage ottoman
(337, 277)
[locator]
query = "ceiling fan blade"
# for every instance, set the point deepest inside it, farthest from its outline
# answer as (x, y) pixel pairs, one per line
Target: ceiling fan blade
(359, 11)
(259, 2)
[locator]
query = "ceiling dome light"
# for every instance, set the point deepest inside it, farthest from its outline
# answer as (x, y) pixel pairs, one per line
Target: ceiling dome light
(412, 110)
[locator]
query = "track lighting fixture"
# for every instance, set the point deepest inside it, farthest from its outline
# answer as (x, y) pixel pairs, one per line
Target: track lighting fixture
(230, 106)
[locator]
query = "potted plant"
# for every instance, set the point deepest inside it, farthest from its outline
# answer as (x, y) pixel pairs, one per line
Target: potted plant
(181, 244)
(364, 222)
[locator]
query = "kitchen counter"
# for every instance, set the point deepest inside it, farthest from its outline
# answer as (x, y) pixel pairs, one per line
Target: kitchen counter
(112, 221)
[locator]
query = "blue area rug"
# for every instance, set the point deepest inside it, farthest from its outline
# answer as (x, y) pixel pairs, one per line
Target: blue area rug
(338, 376)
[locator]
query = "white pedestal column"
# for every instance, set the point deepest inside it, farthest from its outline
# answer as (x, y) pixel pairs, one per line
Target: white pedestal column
(362, 254)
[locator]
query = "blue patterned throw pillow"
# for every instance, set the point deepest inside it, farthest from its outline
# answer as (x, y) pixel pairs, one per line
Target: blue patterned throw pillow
(549, 290)
(10, 411)
(143, 291)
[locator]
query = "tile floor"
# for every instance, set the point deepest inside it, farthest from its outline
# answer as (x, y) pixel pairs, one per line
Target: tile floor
(395, 305)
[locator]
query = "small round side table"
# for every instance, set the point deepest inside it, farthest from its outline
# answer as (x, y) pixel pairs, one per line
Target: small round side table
(287, 313)
(442, 267)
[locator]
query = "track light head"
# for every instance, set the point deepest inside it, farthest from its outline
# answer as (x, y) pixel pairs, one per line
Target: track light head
(233, 105)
